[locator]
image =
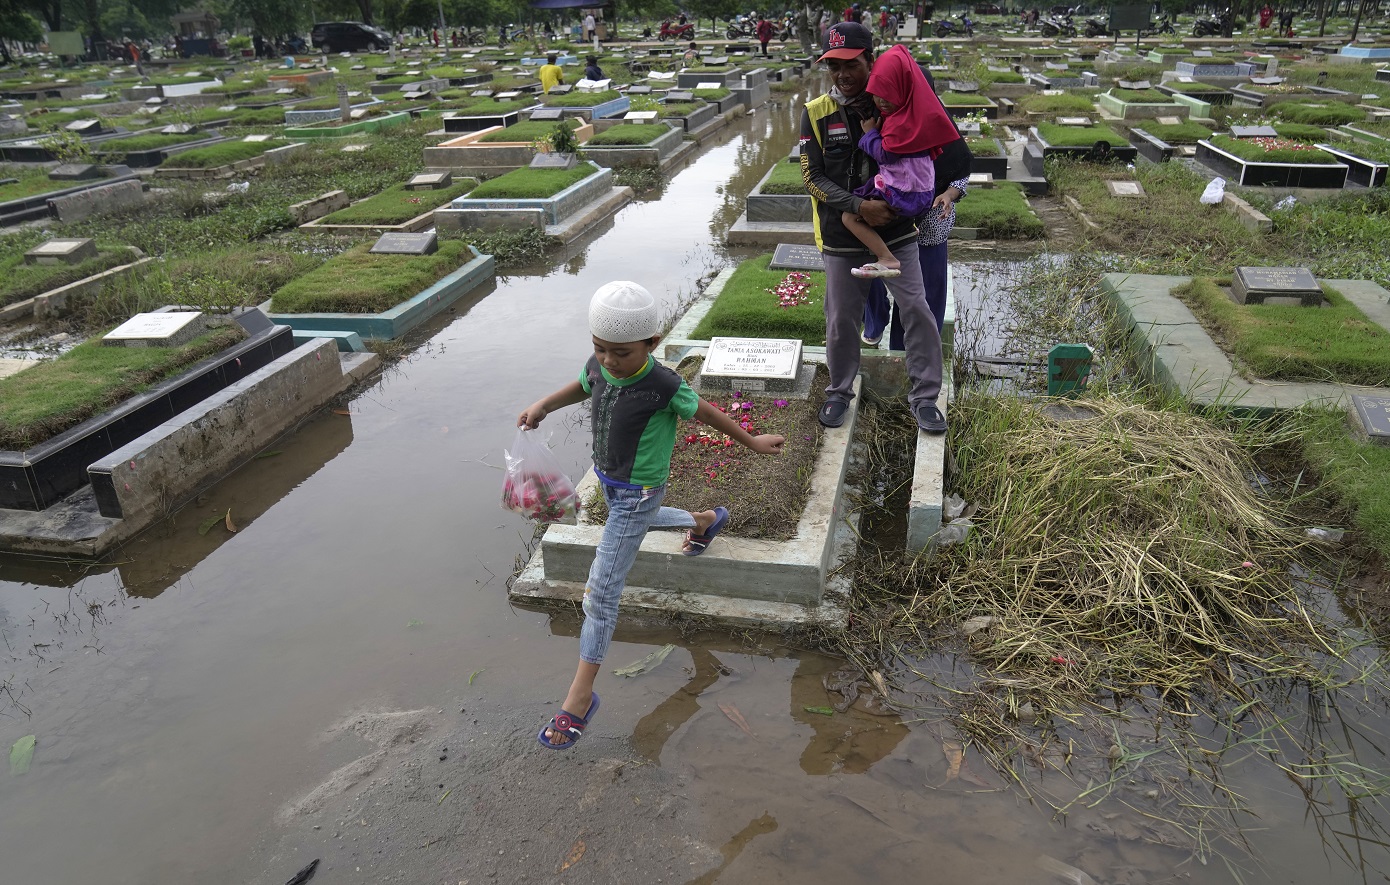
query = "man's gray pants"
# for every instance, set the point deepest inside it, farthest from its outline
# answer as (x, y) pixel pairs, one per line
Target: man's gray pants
(844, 315)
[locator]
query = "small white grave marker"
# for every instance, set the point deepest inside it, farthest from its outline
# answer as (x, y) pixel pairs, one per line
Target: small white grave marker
(981, 179)
(1125, 189)
(1168, 121)
(640, 116)
(752, 364)
(710, 85)
(156, 330)
(256, 138)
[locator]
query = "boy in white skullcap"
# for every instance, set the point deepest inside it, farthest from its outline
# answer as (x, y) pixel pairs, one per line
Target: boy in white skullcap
(636, 404)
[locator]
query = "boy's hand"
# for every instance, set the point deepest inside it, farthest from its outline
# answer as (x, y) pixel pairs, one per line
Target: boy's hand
(767, 444)
(532, 417)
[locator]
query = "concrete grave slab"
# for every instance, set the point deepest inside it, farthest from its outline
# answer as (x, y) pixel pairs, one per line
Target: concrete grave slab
(1253, 132)
(1125, 189)
(75, 172)
(548, 114)
(62, 251)
(172, 329)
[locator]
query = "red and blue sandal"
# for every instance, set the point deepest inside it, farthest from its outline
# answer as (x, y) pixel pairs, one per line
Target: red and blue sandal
(568, 724)
(696, 544)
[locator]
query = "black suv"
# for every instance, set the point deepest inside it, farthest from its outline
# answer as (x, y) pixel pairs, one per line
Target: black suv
(348, 37)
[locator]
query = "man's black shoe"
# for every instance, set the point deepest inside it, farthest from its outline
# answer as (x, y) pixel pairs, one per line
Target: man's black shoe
(832, 414)
(929, 418)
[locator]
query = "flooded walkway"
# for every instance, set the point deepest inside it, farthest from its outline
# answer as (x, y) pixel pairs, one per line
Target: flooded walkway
(183, 694)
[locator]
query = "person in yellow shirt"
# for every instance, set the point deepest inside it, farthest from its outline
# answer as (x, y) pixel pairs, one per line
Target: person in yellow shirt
(550, 74)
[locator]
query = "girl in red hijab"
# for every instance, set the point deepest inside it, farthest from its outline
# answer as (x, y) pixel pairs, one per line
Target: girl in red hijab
(914, 128)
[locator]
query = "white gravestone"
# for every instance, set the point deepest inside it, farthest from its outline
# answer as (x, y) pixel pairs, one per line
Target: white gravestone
(157, 330)
(754, 365)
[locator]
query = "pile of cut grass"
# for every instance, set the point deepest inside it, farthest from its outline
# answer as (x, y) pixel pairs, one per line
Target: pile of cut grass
(215, 155)
(629, 134)
(359, 281)
(747, 309)
(1000, 212)
(1289, 343)
(526, 131)
(41, 402)
(396, 204)
(785, 180)
(527, 184)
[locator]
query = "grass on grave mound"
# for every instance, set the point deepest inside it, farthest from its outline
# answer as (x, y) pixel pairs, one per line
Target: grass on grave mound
(964, 100)
(1079, 136)
(1001, 212)
(1302, 132)
(257, 116)
(41, 402)
(215, 155)
(31, 182)
(123, 146)
(717, 94)
(27, 280)
(396, 204)
(1359, 472)
(748, 308)
(629, 134)
(765, 494)
(785, 180)
(1177, 133)
(581, 99)
(1335, 343)
(358, 281)
(1271, 150)
(1314, 114)
(1070, 103)
(983, 147)
(527, 131)
(487, 107)
(1195, 89)
(679, 109)
(1141, 96)
(530, 184)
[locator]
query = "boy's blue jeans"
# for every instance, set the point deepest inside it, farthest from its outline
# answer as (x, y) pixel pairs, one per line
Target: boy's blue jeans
(630, 513)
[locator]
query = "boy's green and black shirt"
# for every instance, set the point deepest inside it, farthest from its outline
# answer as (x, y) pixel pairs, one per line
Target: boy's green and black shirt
(634, 421)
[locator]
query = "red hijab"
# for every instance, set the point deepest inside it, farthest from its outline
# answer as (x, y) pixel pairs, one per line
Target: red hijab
(920, 123)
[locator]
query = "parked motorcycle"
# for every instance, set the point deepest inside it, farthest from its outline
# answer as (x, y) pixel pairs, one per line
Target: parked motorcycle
(948, 28)
(1097, 27)
(1165, 25)
(1057, 24)
(673, 31)
(743, 27)
(1222, 25)
(509, 33)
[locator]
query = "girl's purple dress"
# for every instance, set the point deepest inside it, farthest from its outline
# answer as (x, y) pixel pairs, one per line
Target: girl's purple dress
(906, 182)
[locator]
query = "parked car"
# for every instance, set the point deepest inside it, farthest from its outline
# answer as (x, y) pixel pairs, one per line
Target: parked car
(348, 37)
(988, 9)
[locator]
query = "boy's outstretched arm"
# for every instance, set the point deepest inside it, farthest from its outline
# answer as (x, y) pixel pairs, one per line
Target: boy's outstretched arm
(568, 395)
(763, 443)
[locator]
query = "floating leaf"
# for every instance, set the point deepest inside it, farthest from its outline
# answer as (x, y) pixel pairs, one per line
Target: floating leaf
(736, 718)
(341, 412)
(955, 755)
(576, 852)
(445, 796)
(824, 711)
(228, 520)
(206, 525)
(413, 624)
(974, 625)
(647, 664)
(21, 754)
(474, 674)
(270, 454)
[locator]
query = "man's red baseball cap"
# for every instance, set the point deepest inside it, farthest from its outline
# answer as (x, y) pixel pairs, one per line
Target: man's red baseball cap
(846, 40)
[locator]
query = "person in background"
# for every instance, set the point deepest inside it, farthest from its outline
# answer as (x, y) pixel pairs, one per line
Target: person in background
(550, 74)
(591, 69)
(589, 26)
(1266, 15)
(764, 31)
(692, 54)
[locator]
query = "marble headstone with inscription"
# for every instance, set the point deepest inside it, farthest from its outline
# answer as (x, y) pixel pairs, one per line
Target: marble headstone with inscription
(753, 365)
(796, 256)
(171, 329)
(1277, 285)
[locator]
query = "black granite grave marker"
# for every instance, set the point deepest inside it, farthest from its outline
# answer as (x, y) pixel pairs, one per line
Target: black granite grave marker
(1374, 412)
(548, 114)
(554, 160)
(1256, 285)
(407, 244)
(796, 256)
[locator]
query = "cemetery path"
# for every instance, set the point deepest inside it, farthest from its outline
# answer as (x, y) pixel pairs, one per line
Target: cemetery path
(342, 678)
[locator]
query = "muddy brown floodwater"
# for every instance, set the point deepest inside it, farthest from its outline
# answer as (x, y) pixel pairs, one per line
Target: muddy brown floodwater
(344, 679)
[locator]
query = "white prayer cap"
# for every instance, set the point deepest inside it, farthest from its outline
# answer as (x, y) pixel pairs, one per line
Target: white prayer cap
(623, 311)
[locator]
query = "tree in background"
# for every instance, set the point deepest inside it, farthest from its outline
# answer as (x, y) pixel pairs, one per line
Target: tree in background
(17, 24)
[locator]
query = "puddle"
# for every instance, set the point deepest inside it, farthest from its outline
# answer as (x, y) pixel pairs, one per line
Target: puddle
(182, 714)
